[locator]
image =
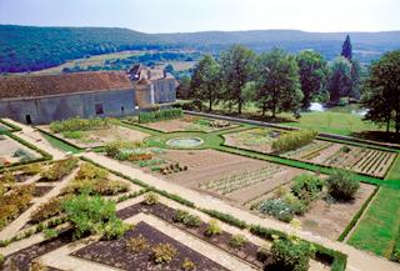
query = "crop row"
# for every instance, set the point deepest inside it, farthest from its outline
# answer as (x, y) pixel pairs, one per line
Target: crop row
(232, 183)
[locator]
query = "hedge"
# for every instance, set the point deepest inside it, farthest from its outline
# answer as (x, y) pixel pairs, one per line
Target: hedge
(357, 216)
(167, 114)
(14, 128)
(226, 218)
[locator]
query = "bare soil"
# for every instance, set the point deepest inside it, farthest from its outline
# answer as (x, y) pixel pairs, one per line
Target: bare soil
(330, 220)
(8, 147)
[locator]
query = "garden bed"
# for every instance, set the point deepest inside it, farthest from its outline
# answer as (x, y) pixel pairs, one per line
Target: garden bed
(12, 152)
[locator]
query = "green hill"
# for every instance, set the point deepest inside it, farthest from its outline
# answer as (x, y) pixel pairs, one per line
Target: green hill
(26, 48)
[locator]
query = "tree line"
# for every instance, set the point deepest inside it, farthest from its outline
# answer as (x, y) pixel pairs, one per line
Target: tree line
(278, 81)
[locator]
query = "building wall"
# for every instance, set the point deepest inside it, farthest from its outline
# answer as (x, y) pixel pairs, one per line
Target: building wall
(164, 90)
(44, 110)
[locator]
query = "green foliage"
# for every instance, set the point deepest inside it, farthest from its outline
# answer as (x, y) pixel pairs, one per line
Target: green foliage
(278, 82)
(347, 49)
(277, 208)
(59, 169)
(307, 186)
(342, 185)
(227, 218)
(50, 233)
(213, 228)
(48, 209)
(313, 72)
(2, 260)
(77, 124)
(122, 149)
(137, 244)
(94, 215)
(163, 253)
(166, 114)
(339, 82)
(73, 134)
(32, 169)
(291, 255)
(293, 140)
(238, 241)
(187, 219)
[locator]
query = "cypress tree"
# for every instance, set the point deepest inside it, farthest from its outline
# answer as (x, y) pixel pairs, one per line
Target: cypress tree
(347, 49)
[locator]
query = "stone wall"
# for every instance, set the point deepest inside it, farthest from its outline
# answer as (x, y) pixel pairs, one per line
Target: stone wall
(164, 90)
(43, 110)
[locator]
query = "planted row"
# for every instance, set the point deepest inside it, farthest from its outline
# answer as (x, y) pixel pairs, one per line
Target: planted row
(146, 117)
(293, 140)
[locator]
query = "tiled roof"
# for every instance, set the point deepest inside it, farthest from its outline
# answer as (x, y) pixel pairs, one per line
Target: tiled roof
(45, 85)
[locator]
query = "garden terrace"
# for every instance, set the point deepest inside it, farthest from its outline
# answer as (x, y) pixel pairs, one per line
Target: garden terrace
(155, 226)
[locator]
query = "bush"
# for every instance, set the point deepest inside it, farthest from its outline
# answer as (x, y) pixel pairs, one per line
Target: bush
(293, 140)
(137, 244)
(146, 117)
(298, 206)
(187, 219)
(50, 233)
(342, 185)
(123, 150)
(213, 228)
(94, 215)
(48, 209)
(8, 178)
(59, 169)
(263, 253)
(2, 260)
(307, 187)
(32, 169)
(238, 241)
(291, 255)
(151, 198)
(277, 208)
(164, 253)
(227, 218)
(188, 265)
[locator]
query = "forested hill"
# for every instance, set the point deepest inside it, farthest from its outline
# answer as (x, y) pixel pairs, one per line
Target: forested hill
(25, 48)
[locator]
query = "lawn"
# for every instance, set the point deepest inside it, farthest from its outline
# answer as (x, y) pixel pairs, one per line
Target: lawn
(378, 230)
(394, 173)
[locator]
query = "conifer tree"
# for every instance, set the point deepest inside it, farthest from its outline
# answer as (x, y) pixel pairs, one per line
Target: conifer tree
(347, 49)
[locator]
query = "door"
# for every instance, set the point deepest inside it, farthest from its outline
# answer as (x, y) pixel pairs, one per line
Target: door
(28, 119)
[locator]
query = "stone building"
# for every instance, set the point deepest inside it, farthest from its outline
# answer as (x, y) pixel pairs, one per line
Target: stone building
(45, 98)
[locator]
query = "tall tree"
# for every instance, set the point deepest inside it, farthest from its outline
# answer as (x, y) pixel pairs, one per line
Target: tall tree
(205, 81)
(347, 49)
(339, 82)
(237, 69)
(278, 82)
(313, 74)
(382, 91)
(184, 89)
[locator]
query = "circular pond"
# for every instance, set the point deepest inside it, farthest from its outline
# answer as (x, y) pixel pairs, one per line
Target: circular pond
(188, 142)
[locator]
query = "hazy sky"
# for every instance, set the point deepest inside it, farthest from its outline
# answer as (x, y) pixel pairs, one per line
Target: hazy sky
(200, 15)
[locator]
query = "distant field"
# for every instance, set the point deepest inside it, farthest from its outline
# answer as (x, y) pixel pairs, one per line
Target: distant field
(91, 61)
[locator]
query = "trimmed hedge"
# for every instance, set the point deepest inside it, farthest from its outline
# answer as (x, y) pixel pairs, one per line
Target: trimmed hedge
(167, 114)
(357, 216)
(14, 128)
(227, 218)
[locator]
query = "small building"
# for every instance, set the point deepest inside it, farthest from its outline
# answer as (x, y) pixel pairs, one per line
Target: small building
(41, 99)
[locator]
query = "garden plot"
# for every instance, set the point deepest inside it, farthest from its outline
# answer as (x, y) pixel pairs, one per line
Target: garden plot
(190, 123)
(99, 137)
(12, 152)
(362, 160)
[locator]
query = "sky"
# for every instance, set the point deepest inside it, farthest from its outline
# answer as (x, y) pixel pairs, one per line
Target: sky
(166, 16)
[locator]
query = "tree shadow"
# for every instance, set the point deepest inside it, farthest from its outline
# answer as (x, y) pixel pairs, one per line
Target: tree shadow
(381, 136)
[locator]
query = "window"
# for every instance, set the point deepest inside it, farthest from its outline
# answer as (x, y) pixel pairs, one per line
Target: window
(122, 109)
(28, 119)
(99, 109)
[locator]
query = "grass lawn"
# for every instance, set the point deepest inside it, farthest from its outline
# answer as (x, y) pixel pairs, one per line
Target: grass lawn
(340, 123)
(394, 173)
(378, 230)
(60, 144)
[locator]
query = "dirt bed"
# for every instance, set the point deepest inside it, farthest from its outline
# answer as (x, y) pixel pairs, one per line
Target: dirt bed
(330, 220)
(8, 147)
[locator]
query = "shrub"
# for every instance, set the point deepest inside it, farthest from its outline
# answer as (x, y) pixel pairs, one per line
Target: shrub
(137, 244)
(263, 253)
(8, 178)
(38, 266)
(78, 124)
(48, 209)
(72, 134)
(50, 233)
(227, 218)
(2, 260)
(146, 117)
(32, 169)
(342, 185)
(186, 219)
(60, 169)
(164, 253)
(188, 265)
(238, 241)
(94, 215)
(89, 171)
(213, 228)
(291, 255)
(298, 206)
(293, 140)
(123, 150)
(306, 186)
(151, 198)
(277, 208)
